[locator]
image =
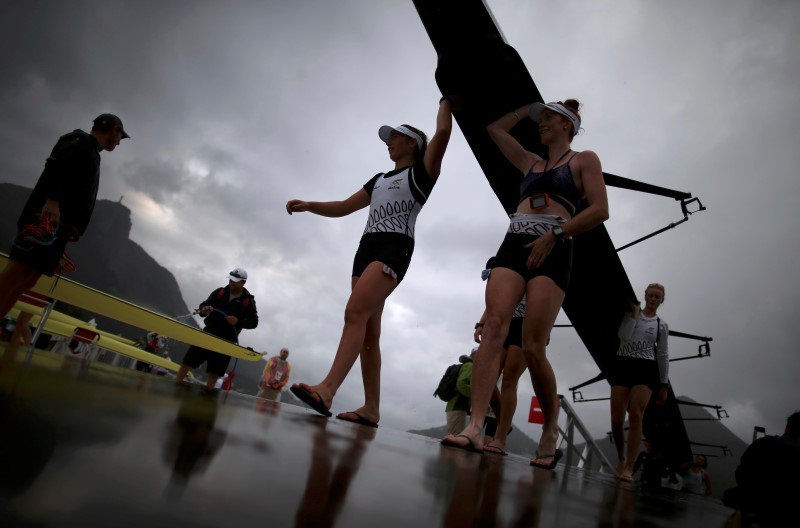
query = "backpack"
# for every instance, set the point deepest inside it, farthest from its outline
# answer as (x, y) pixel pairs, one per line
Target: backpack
(446, 390)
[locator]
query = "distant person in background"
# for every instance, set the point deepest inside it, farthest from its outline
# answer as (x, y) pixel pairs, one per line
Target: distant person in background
(59, 207)
(696, 478)
(275, 376)
(153, 344)
(640, 367)
(767, 480)
(227, 311)
(458, 406)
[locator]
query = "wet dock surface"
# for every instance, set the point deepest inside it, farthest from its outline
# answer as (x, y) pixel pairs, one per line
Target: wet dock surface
(93, 445)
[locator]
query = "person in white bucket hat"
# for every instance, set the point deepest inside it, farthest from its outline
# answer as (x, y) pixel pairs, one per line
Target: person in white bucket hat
(395, 198)
(535, 260)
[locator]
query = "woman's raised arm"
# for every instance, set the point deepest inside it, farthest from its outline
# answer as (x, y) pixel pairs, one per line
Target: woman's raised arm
(510, 147)
(438, 143)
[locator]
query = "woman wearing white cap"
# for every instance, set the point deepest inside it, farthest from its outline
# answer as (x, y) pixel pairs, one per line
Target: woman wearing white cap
(395, 199)
(535, 260)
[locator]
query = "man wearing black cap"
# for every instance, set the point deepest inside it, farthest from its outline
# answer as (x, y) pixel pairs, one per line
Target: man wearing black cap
(227, 311)
(59, 207)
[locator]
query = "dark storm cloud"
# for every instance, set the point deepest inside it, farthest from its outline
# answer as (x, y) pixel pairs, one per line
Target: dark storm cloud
(162, 179)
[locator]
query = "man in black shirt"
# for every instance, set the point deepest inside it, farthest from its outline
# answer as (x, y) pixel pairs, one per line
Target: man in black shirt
(227, 311)
(59, 207)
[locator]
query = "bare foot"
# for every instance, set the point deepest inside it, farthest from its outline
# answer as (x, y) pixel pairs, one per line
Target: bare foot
(494, 447)
(315, 396)
(547, 446)
(361, 415)
(465, 440)
(546, 460)
(627, 474)
(325, 396)
(620, 467)
(373, 415)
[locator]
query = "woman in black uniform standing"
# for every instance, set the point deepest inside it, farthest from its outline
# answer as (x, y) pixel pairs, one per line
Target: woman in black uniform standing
(535, 260)
(384, 254)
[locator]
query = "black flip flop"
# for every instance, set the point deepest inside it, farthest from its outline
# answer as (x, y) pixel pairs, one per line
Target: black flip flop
(552, 465)
(360, 420)
(469, 447)
(312, 398)
(494, 450)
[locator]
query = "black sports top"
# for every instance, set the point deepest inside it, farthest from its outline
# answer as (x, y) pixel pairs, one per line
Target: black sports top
(557, 183)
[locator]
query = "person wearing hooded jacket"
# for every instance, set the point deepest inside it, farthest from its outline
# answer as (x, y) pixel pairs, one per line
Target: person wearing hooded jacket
(227, 311)
(59, 208)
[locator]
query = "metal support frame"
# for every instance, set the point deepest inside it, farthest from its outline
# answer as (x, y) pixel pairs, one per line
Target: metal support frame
(577, 397)
(47, 307)
(590, 456)
(703, 350)
(721, 413)
(726, 451)
(686, 213)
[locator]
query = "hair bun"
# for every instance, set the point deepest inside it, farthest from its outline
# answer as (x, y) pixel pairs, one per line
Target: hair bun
(572, 104)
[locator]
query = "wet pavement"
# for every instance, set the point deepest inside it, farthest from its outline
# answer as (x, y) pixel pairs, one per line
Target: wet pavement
(94, 445)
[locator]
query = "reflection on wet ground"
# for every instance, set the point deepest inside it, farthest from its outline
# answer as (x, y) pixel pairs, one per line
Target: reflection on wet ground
(93, 445)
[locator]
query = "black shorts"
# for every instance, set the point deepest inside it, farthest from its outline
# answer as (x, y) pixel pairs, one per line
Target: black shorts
(392, 249)
(216, 363)
(44, 258)
(514, 337)
(513, 255)
(629, 372)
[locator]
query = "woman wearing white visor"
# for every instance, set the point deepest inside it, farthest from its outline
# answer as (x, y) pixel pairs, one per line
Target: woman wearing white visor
(395, 199)
(535, 260)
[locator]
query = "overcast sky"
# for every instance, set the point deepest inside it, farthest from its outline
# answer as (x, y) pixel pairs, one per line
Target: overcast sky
(236, 107)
